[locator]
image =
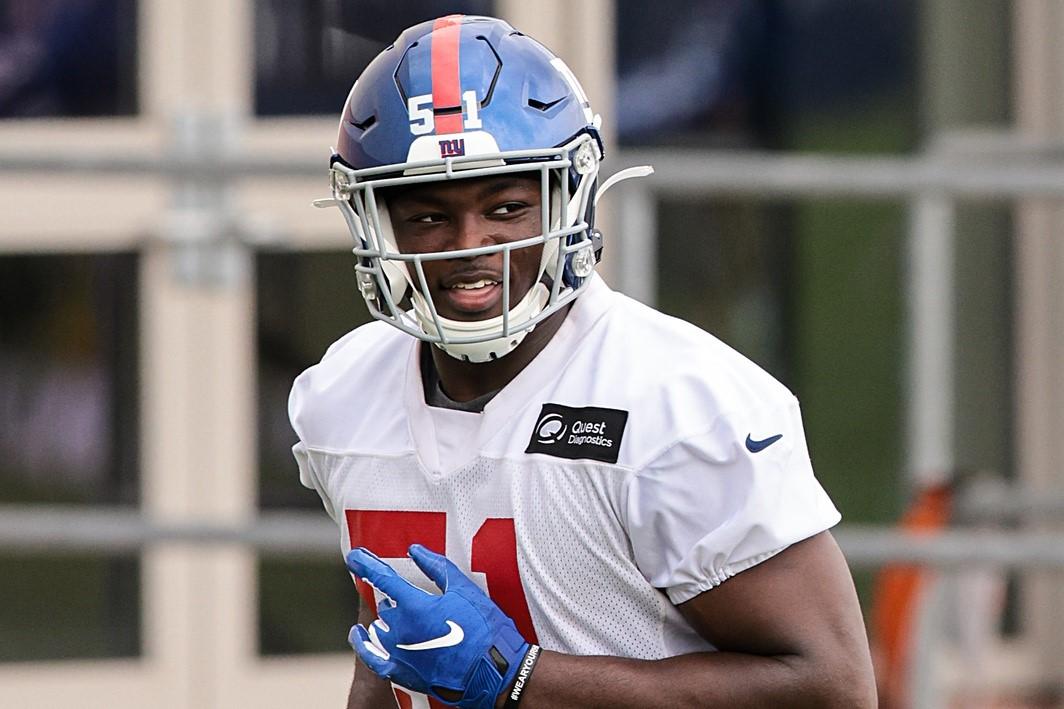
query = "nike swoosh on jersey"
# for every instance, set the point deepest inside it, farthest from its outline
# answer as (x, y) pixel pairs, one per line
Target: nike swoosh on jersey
(758, 446)
(453, 637)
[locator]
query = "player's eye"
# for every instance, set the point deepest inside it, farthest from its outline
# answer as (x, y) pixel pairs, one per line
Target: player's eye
(427, 218)
(508, 209)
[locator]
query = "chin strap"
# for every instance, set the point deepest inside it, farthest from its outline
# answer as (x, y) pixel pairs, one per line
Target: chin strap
(486, 350)
(625, 174)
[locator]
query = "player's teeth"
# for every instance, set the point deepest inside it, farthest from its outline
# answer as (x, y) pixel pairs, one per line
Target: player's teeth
(472, 286)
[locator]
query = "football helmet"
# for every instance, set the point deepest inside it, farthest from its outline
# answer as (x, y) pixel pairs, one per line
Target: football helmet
(457, 98)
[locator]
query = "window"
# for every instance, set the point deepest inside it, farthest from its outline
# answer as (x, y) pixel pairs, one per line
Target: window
(68, 435)
(68, 58)
(68, 378)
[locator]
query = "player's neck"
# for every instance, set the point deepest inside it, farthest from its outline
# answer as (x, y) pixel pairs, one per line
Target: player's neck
(464, 381)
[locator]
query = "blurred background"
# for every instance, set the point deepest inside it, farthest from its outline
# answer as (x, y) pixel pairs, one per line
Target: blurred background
(861, 196)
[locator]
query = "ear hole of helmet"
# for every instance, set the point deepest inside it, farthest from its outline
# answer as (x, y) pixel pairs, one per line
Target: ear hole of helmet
(395, 272)
(376, 234)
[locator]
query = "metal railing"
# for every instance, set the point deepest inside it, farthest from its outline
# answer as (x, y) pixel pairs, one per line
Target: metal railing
(1029, 174)
(44, 529)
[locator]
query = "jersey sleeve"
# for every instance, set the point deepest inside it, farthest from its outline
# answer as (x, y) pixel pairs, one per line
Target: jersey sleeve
(723, 500)
(309, 477)
(297, 415)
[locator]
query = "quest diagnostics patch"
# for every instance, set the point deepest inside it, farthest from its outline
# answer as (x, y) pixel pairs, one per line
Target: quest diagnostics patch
(591, 432)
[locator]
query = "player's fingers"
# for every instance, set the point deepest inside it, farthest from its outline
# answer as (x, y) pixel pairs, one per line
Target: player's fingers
(375, 657)
(376, 573)
(437, 567)
(388, 616)
(385, 605)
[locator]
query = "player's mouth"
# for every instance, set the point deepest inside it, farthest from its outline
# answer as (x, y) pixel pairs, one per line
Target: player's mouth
(472, 296)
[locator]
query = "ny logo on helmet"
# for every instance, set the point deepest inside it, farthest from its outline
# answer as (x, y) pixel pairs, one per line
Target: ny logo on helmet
(452, 148)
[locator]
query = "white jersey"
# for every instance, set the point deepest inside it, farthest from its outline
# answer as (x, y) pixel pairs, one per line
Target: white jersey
(636, 462)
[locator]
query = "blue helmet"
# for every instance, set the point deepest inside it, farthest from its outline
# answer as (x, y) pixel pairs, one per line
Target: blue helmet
(459, 74)
(456, 98)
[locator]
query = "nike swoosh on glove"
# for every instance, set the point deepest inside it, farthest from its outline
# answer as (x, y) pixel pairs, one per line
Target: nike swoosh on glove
(458, 643)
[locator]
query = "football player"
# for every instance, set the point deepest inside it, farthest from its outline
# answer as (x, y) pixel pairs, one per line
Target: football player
(549, 494)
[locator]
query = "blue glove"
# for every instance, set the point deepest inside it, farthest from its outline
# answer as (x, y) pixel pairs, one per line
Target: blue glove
(458, 643)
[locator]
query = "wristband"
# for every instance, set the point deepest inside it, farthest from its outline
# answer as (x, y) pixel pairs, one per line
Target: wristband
(524, 671)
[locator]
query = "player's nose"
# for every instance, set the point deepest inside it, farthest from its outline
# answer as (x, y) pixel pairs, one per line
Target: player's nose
(472, 231)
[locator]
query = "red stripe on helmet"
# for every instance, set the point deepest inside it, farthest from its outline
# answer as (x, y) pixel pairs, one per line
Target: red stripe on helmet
(446, 81)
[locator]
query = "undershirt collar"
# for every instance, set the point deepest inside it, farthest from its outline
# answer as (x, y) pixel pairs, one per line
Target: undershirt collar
(436, 396)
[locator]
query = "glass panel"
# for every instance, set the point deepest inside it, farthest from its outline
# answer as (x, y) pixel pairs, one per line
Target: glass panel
(68, 379)
(723, 268)
(305, 303)
(309, 52)
(69, 607)
(848, 338)
(984, 344)
(68, 58)
(68, 434)
(305, 606)
(729, 72)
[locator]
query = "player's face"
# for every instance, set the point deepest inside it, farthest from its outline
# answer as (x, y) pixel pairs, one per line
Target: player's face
(465, 214)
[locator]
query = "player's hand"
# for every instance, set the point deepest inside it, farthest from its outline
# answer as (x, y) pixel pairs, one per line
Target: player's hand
(457, 647)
